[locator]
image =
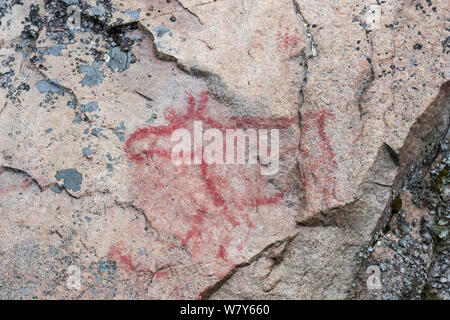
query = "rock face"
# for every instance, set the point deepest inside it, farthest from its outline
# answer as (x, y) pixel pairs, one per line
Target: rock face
(92, 205)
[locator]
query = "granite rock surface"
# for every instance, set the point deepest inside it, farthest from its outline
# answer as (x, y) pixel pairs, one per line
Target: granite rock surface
(93, 207)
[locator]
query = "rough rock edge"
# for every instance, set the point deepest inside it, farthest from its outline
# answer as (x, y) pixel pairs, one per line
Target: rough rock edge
(413, 158)
(278, 258)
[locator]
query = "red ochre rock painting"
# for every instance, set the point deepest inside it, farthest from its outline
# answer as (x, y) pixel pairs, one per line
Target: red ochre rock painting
(213, 210)
(318, 161)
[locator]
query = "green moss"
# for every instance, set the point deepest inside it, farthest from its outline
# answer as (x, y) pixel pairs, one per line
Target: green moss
(397, 204)
(440, 246)
(440, 231)
(437, 185)
(427, 294)
(442, 177)
(443, 173)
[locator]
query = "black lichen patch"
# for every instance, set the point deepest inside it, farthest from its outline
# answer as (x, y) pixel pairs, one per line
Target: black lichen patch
(72, 179)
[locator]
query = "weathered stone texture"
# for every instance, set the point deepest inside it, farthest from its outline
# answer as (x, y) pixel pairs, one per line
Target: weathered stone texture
(86, 118)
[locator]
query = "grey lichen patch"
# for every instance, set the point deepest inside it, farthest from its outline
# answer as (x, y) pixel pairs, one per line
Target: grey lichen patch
(119, 59)
(120, 136)
(133, 14)
(87, 152)
(160, 31)
(78, 119)
(89, 107)
(97, 11)
(54, 50)
(107, 266)
(111, 159)
(118, 131)
(97, 132)
(49, 86)
(93, 75)
(72, 103)
(72, 179)
(56, 189)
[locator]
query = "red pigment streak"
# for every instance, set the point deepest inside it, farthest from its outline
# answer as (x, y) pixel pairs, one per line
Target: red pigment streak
(209, 184)
(318, 166)
(288, 43)
(196, 231)
(320, 118)
(177, 121)
(116, 253)
(222, 252)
